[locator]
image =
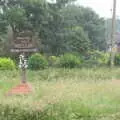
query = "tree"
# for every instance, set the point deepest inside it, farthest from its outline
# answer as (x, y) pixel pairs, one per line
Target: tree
(78, 41)
(89, 21)
(53, 33)
(16, 18)
(60, 26)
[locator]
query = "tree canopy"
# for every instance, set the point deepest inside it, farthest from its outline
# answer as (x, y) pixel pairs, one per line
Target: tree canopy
(60, 26)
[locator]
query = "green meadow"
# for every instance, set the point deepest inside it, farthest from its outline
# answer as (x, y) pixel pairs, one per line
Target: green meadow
(63, 94)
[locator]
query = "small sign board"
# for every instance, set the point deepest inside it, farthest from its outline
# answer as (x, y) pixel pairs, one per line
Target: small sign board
(23, 42)
(23, 50)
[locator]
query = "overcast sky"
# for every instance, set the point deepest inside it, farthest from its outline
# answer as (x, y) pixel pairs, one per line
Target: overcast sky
(102, 7)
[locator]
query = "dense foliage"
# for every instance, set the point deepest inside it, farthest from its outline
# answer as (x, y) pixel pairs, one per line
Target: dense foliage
(98, 58)
(37, 61)
(59, 26)
(117, 59)
(53, 60)
(69, 61)
(7, 64)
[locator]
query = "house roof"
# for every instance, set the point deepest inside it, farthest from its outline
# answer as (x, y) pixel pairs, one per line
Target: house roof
(118, 37)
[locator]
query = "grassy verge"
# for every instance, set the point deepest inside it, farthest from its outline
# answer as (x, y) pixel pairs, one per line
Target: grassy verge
(63, 94)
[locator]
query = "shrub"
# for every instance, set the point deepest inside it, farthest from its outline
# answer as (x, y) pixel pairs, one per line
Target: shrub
(53, 60)
(69, 61)
(37, 61)
(117, 59)
(7, 64)
(98, 58)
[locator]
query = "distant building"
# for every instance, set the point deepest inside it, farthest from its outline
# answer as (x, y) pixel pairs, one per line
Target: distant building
(118, 41)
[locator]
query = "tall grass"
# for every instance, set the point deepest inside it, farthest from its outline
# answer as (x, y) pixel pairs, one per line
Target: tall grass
(63, 94)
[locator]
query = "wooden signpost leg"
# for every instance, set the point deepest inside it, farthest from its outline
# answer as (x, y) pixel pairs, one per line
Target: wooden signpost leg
(23, 66)
(23, 76)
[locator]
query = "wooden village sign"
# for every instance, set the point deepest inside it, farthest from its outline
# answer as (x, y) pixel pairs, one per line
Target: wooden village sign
(23, 43)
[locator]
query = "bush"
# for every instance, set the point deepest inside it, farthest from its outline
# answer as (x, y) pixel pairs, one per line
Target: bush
(98, 58)
(37, 61)
(7, 64)
(69, 61)
(117, 59)
(53, 60)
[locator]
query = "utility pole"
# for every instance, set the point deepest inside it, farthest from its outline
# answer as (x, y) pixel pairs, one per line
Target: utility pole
(113, 34)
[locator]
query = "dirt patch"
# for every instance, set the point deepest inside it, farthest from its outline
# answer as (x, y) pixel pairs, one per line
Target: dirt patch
(21, 89)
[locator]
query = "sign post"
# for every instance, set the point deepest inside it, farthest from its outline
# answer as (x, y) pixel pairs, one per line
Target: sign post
(23, 65)
(22, 43)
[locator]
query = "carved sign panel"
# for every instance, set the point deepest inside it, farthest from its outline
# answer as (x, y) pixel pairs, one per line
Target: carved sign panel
(23, 42)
